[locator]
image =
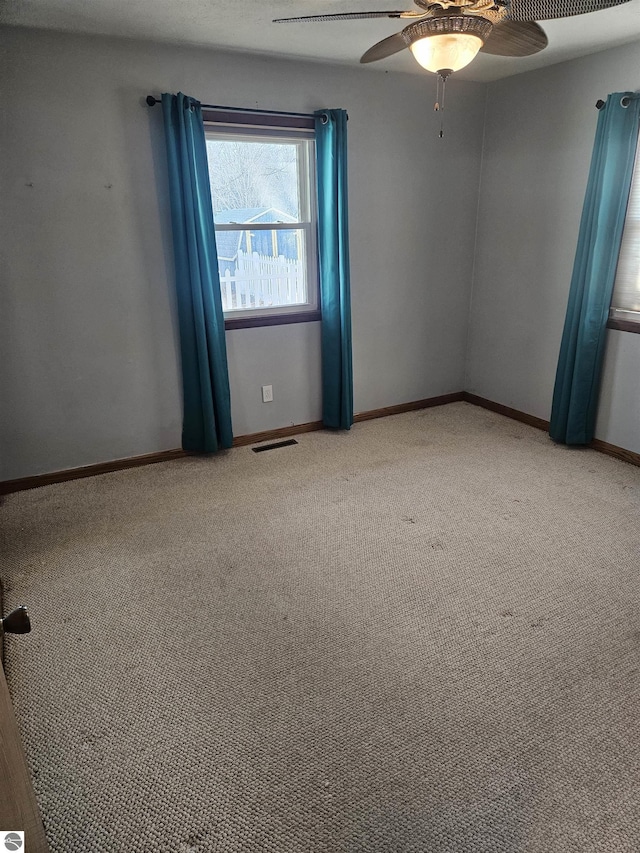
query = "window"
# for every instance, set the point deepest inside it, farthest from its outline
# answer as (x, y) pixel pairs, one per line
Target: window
(263, 193)
(625, 303)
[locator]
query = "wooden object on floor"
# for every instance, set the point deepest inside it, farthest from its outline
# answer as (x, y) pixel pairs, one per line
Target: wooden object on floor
(18, 807)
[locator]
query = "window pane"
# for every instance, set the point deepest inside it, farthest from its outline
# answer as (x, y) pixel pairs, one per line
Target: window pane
(264, 215)
(627, 289)
(626, 293)
(254, 181)
(262, 269)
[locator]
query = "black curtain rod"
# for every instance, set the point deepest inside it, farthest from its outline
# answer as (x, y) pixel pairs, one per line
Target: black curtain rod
(151, 101)
(625, 101)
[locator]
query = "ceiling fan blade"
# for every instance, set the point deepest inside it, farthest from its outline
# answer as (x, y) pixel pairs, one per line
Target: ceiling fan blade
(546, 10)
(352, 16)
(386, 47)
(515, 38)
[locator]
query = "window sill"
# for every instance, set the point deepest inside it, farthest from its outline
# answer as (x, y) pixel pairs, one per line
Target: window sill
(624, 326)
(273, 320)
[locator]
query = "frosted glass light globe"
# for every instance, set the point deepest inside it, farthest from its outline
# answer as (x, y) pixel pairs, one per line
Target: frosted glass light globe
(447, 51)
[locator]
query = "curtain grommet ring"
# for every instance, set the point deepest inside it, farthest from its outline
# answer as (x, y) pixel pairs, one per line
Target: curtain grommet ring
(625, 101)
(325, 118)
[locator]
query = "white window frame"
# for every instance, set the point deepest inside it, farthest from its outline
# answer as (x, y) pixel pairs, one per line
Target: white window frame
(622, 314)
(241, 130)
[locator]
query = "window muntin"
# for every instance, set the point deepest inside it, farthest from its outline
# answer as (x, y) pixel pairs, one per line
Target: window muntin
(262, 181)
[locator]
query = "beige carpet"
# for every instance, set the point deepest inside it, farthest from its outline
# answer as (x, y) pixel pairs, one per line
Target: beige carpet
(423, 635)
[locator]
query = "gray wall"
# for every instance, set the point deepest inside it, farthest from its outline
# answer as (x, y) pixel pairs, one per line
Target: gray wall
(88, 346)
(538, 140)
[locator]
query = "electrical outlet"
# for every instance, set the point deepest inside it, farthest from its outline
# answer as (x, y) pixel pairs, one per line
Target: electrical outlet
(267, 393)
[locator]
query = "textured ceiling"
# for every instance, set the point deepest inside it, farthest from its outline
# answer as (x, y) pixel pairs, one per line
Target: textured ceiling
(246, 26)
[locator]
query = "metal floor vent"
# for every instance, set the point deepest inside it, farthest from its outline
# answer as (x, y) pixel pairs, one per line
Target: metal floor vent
(274, 445)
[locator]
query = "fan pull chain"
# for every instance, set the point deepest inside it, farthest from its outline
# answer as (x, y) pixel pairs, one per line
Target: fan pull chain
(441, 85)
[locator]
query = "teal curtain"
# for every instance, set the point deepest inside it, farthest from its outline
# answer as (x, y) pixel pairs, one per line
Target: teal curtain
(333, 259)
(575, 395)
(206, 425)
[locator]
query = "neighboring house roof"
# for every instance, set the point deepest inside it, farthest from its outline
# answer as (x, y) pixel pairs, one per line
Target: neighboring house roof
(228, 242)
(252, 214)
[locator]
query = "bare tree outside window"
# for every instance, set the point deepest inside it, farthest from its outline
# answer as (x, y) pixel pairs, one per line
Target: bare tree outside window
(248, 175)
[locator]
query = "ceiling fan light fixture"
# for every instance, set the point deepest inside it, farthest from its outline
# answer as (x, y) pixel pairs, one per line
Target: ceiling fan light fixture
(447, 43)
(450, 52)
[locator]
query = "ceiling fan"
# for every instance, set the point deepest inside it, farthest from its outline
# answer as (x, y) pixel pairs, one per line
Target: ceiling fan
(446, 35)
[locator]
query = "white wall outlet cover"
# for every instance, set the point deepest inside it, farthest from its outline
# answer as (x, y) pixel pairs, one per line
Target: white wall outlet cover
(267, 393)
